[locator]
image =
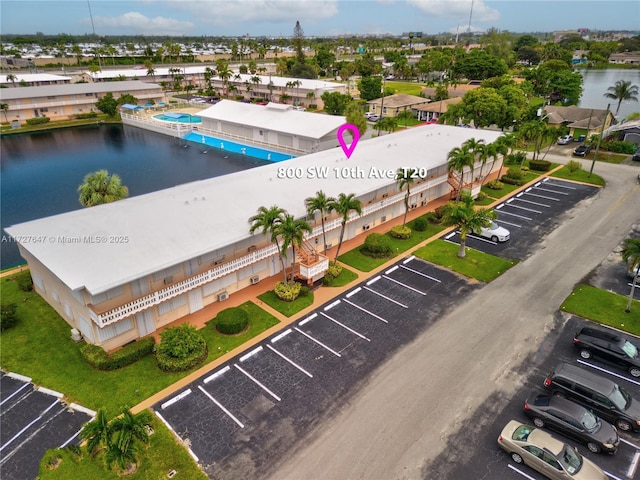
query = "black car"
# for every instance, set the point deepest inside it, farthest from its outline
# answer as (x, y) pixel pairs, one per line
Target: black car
(609, 347)
(605, 398)
(636, 156)
(582, 150)
(573, 421)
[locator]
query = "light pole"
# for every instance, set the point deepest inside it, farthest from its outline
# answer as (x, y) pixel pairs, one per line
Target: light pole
(595, 155)
(381, 103)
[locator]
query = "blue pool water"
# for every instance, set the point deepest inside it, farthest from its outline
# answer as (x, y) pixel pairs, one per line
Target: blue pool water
(178, 118)
(229, 146)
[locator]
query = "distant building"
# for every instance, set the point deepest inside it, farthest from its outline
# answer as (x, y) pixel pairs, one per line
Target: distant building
(32, 80)
(626, 58)
(431, 112)
(393, 105)
(587, 120)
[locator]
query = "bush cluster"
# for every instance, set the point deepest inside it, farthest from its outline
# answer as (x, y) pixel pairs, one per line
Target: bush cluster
(181, 348)
(101, 360)
(8, 315)
(540, 165)
(38, 120)
(515, 176)
(232, 321)
(24, 281)
(82, 116)
(400, 232)
(420, 224)
(377, 245)
(287, 292)
(574, 166)
(494, 185)
(334, 270)
(618, 146)
(516, 157)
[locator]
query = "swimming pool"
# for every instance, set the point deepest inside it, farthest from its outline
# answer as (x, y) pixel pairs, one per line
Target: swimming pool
(234, 147)
(178, 118)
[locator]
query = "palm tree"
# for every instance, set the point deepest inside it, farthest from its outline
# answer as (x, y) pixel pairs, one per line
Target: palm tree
(466, 218)
(5, 108)
(100, 187)
(97, 432)
(224, 73)
(457, 159)
(267, 221)
(151, 72)
(124, 458)
(631, 255)
(477, 148)
(12, 78)
(130, 427)
(343, 206)
(404, 178)
(622, 91)
(322, 204)
(292, 233)
(504, 144)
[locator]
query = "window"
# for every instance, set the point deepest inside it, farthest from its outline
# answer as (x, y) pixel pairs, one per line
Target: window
(551, 460)
(167, 272)
(384, 110)
(114, 330)
(533, 450)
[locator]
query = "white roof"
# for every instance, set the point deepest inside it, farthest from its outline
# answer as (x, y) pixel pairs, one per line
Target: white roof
(34, 77)
(167, 227)
(274, 116)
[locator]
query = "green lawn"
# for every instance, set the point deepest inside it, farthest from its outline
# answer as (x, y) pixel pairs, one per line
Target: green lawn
(364, 263)
(607, 157)
(478, 265)
(40, 347)
(24, 128)
(603, 307)
(345, 277)
(410, 88)
(579, 176)
(286, 308)
(161, 455)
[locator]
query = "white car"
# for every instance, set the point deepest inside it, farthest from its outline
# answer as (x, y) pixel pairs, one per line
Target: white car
(565, 140)
(495, 232)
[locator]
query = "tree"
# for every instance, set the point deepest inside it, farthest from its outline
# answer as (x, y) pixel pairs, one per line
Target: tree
(478, 65)
(267, 221)
(130, 427)
(464, 216)
(108, 105)
(5, 108)
(387, 124)
(324, 58)
(292, 231)
(298, 43)
(457, 159)
(224, 73)
(322, 204)
(370, 88)
(622, 91)
(12, 78)
(631, 256)
(97, 432)
(335, 103)
(482, 106)
(343, 206)
(100, 187)
(503, 146)
(405, 177)
(127, 98)
(355, 116)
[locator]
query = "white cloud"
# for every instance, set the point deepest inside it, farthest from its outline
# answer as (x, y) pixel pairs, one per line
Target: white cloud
(139, 23)
(457, 9)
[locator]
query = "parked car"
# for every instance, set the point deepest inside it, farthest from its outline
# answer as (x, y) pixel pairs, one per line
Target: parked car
(373, 118)
(565, 140)
(609, 347)
(605, 398)
(582, 150)
(633, 272)
(636, 156)
(495, 232)
(368, 115)
(573, 421)
(545, 454)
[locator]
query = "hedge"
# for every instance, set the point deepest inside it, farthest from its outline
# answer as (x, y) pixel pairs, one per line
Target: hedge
(334, 270)
(38, 120)
(377, 245)
(181, 348)
(24, 280)
(420, 224)
(540, 165)
(8, 315)
(401, 232)
(232, 321)
(99, 359)
(287, 292)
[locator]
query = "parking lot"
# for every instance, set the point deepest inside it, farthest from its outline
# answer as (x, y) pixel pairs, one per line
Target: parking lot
(529, 216)
(33, 420)
(494, 414)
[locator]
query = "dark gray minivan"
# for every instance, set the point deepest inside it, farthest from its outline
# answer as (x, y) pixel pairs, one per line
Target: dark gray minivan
(605, 398)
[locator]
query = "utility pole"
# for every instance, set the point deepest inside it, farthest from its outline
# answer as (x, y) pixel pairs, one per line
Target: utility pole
(595, 155)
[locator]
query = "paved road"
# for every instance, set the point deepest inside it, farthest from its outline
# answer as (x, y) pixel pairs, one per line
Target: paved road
(398, 423)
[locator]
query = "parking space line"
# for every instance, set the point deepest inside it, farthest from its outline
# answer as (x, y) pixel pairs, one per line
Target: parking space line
(392, 269)
(217, 374)
(608, 371)
(309, 318)
(513, 214)
(552, 191)
(220, 406)
(520, 207)
(331, 305)
(257, 382)
(168, 425)
(631, 473)
(14, 393)
(447, 237)
(71, 438)
(482, 239)
(508, 223)
(251, 353)
(533, 203)
(318, 342)
(386, 298)
(353, 292)
(517, 470)
(281, 335)
(553, 184)
(11, 440)
(612, 475)
(634, 445)
(175, 399)
(366, 311)
(345, 327)
(541, 196)
(405, 286)
(421, 274)
(290, 361)
(373, 280)
(412, 257)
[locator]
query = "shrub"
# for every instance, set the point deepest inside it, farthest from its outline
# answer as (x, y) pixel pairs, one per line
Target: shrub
(401, 232)
(287, 292)
(24, 281)
(618, 146)
(38, 120)
(181, 348)
(540, 165)
(420, 224)
(574, 166)
(232, 321)
(82, 116)
(131, 353)
(439, 213)
(516, 157)
(8, 315)
(481, 196)
(515, 176)
(334, 270)
(495, 185)
(377, 245)
(313, 106)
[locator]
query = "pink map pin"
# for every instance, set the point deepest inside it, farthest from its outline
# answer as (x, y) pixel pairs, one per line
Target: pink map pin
(355, 133)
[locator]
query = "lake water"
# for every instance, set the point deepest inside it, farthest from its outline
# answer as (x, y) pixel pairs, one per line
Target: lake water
(40, 172)
(596, 83)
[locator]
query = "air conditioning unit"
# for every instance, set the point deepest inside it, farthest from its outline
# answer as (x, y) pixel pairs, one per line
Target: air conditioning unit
(423, 203)
(168, 280)
(223, 296)
(366, 227)
(251, 248)
(385, 195)
(383, 219)
(414, 205)
(255, 280)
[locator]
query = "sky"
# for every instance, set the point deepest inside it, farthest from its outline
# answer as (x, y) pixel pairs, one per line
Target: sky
(317, 17)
